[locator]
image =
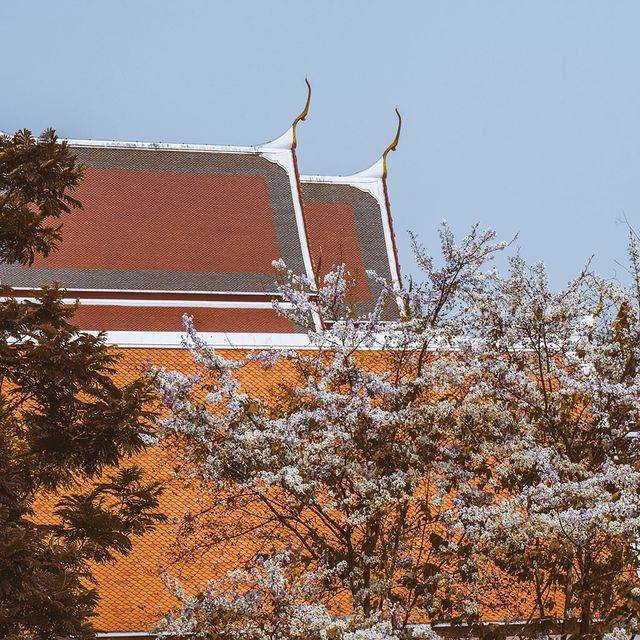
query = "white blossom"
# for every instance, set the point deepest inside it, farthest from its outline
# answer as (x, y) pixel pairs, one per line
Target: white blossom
(491, 440)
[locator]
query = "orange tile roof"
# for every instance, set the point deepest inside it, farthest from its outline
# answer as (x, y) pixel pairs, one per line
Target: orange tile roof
(133, 595)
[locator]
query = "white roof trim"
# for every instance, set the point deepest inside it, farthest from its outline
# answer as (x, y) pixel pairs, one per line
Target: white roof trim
(173, 339)
(160, 146)
(196, 304)
(369, 184)
(388, 240)
(376, 170)
(372, 174)
(278, 145)
(283, 143)
(219, 340)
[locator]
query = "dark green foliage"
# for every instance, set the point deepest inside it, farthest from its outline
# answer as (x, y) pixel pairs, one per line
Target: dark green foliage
(66, 428)
(35, 177)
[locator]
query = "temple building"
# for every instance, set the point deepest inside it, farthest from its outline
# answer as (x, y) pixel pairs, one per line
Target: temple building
(169, 229)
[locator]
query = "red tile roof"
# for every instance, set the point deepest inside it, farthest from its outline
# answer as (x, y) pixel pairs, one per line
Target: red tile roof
(348, 222)
(130, 318)
(171, 220)
(167, 220)
(157, 221)
(334, 240)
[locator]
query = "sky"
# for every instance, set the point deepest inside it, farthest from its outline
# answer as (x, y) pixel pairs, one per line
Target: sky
(522, 116)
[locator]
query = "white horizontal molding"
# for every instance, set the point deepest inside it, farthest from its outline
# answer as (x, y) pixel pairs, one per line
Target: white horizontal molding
(173, 339)
(253, 340)
(280, 145)
(195, 304)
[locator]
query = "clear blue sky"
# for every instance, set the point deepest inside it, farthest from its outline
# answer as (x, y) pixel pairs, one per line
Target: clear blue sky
(524, 116)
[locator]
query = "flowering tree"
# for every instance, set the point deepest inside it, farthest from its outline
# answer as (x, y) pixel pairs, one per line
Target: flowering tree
(474, 458)
(548, 437)
(344, 460)
(270, 600)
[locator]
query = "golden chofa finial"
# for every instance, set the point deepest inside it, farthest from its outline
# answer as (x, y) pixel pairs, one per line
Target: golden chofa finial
(392, 146)
(303, 114)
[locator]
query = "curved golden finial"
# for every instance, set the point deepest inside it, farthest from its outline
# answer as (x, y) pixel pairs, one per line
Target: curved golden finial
(392, 146)
(303, 113)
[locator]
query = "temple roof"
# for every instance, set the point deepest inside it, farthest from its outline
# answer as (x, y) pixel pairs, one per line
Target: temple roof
(169, 229)
(348, 221)
(164, 219)
(133, 596)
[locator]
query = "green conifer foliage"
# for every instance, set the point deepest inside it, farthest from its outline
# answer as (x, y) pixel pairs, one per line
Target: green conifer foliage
(66, 427)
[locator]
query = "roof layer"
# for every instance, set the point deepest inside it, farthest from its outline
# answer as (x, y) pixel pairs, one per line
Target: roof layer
(149, 318)
(132, 591)
(344, 226)
(348, 222)
(133, 594)
(174, 221)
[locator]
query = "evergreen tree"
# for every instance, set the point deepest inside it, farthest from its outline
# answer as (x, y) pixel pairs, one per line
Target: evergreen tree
(66, 427)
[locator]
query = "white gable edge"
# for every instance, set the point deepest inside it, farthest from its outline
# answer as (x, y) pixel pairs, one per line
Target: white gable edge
(179, 146)
(374, 185)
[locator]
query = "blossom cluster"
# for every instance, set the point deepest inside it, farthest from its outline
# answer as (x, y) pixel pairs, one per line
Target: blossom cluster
(492, 440)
